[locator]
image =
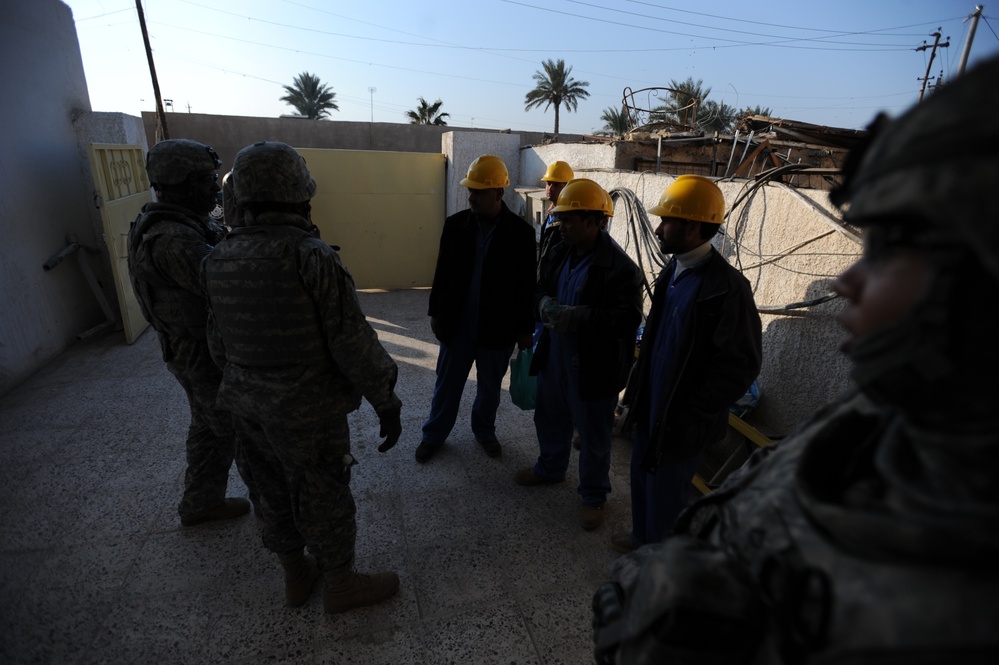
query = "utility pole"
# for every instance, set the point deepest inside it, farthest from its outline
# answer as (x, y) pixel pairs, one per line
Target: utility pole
(372, 91)
(977, 14)
(160, 114)
(933, 54)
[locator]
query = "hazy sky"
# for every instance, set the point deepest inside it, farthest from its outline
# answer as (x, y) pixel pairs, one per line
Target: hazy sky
(827, 62)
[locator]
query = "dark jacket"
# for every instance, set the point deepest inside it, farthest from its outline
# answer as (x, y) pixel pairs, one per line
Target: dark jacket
(549, 237)
(720, 357)
(613, 294)
(508, 277)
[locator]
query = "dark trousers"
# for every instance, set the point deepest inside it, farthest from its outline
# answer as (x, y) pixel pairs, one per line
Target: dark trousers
(657, 499)
(557, 410)
(454, 361)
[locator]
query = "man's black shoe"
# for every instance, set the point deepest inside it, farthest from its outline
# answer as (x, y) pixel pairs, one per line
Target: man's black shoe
(425, 451)
(492, 447)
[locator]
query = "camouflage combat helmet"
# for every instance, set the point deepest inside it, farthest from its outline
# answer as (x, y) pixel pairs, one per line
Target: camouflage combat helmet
(272, 172)
(937, 165)
(170, 162)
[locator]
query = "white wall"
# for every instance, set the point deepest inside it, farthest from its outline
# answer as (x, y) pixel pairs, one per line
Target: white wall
(43, 196)
(461, 149)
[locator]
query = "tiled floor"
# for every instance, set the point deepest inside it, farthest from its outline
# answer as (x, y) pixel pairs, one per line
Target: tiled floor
(95, 568)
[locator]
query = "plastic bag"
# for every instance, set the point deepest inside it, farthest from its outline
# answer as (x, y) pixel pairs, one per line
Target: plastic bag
(747, 403)
(523, 386)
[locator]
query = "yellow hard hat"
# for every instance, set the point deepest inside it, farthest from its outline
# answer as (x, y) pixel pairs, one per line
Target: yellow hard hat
(582, 194)
(692, 197)
(558, 172)
(486, 172)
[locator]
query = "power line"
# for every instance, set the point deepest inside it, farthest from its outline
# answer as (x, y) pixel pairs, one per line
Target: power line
(834, 33)
(731, 43)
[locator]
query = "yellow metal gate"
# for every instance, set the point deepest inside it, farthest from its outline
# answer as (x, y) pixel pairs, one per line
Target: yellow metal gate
(121, 181)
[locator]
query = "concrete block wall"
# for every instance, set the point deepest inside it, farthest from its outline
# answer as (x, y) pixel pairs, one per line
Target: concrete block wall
(229, 134)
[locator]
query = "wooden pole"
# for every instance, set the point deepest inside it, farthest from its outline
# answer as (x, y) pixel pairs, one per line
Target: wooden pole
(936, 44)
(162, 132)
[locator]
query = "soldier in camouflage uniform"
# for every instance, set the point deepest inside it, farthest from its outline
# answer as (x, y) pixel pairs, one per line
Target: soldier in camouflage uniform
(297, 356)
(870, 535)
(230, 215)
(166, 244)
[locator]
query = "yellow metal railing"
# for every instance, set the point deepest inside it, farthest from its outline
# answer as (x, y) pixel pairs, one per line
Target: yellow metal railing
(746, 430)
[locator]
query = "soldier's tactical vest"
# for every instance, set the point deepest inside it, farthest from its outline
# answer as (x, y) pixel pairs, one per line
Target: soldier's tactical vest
(775, 568)
(262, 309)
(170, 309)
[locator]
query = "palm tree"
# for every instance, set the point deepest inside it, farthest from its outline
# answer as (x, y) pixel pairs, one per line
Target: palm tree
(715, 116)
(310, 97)
(427, 114)
(690, 95)
(757, 110)
(555, 87)
(616, 122)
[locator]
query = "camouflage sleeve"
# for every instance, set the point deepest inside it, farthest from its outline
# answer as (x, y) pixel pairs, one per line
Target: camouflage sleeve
(352, 341)
(216, 345)
(178, 258)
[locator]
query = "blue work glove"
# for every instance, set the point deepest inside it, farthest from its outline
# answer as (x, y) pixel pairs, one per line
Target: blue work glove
(571, 318)
(551, 312)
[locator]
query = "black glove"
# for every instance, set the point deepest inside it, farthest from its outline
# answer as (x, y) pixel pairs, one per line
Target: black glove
(391, 428)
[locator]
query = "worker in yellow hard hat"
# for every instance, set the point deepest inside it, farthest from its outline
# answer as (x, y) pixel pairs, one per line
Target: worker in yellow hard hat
(590, 303)
(701, 350)
(555, 178)
(481, 305)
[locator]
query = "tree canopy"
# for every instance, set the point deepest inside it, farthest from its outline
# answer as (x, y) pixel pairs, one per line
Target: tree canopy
(689, 95)
(310, 96)
(555, 87)
(616, 122)
(427, 114)
(757, 110)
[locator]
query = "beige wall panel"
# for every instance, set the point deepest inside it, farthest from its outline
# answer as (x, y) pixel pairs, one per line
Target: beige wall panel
(385, 210)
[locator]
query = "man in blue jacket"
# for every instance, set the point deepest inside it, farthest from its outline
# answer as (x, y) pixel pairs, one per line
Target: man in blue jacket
(701, 350)
(480, 305)
(590, 301)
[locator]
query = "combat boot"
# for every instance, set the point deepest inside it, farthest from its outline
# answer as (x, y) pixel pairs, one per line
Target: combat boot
(347, 590)
(300, 574)
(227, 510)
